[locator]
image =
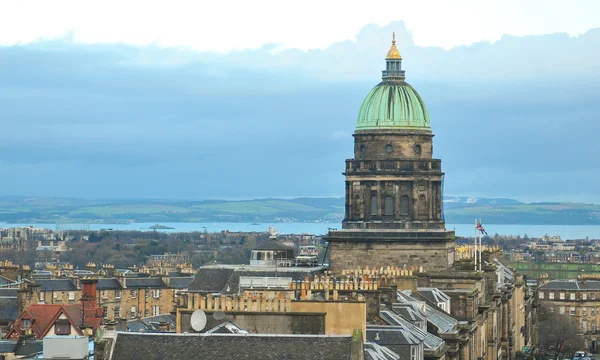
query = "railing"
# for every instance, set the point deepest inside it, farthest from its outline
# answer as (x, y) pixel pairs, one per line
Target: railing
(365, 166)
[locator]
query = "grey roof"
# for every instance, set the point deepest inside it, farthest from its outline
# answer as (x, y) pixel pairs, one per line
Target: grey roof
(180, 282)
(155, 283)
(571, 285)
(444, 322)
(211, 279)
(29, 347)
(226, 280)
(6, 281)
(391, 335)
(8, 308)
(150, 323)
(273, 244)
(433, 294)
(430, 341)
(56, 285)
(109, 284)
(409, 312)
(7, 346)
(227, 327)
(374, 351)
(146, 346)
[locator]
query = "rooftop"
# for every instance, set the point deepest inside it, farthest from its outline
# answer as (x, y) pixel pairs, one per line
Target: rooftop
(230, 346)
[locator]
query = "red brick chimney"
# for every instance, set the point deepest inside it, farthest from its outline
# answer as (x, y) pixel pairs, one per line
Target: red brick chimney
(88, 292)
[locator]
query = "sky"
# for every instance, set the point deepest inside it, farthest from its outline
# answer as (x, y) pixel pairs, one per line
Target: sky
(259, 99)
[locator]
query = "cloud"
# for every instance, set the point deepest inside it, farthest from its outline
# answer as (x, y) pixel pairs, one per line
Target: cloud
(116, 120)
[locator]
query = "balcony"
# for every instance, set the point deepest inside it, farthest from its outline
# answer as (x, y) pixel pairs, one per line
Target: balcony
(392, 166)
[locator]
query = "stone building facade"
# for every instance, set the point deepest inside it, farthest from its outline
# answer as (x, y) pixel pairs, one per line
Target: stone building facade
(579, 299)
(393, 185)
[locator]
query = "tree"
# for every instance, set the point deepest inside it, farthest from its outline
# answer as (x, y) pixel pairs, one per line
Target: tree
(559, 333)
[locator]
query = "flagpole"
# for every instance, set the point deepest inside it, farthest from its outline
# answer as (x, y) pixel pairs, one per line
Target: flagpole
(475, 244)
(480, 249)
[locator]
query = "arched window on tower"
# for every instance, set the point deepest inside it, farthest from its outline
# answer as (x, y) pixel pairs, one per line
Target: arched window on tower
(388, 206)
(374, 205)
(404, 205)
(422, 206)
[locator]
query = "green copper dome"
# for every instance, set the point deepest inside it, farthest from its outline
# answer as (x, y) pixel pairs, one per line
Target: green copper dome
(393, 103)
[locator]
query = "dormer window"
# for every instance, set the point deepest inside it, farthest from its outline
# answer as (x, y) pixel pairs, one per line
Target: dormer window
(62, 327)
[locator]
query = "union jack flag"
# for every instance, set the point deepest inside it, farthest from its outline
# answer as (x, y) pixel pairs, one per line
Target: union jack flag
(480, 228)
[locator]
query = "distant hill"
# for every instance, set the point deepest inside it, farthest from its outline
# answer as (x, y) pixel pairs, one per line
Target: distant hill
(457, 210)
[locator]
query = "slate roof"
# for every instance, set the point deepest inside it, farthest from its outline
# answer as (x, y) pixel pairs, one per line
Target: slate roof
(433, 294)
(430, 341)
(108, 284)
(150, 323)
(7, 346)
(571, 285)
(9, 308)
(374, 351)
(226, 280)
(180, 282)
(444, 322)
(391, 335)
(136, 346)
(5, 281)
(409, 312)
(56, 285)
(154, 283)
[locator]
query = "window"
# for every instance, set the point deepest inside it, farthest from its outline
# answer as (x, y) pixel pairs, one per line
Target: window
(593, 296)
(133, 294)
(413, 353)
(583, 296)
(593, 327)
(117, 294)
(156, 293)
(389, 205)
(41, 296)
(561, 310)
(541, 295)
(374, 205)
(404, 205)
(26, 323)
(562, 296)
(155, 310)
(584, 326)
(117, 312)
(389, 148)
(584, 311)
(147, 293)
(422, 205)
(593, 311)
(133, 312)
(103, 294)
(71, 295)
(572, 296)
(551, 309)
(572, 310)
(105, 311)
(54, 295)
(62, 327)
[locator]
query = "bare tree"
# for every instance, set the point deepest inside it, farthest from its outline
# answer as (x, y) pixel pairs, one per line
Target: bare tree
(559, 333)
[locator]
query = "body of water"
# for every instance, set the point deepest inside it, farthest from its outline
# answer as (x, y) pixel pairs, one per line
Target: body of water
(564, 231)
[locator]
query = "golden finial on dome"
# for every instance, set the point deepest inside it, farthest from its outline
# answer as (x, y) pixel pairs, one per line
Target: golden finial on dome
(393, 53)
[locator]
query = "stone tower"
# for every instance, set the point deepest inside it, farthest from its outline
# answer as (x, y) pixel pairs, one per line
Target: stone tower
(393, 184)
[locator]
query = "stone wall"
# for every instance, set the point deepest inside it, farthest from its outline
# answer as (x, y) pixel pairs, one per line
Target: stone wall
(431, 255)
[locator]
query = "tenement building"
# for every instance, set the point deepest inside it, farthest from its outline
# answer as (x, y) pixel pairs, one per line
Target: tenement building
(393, 183)
(579, 299)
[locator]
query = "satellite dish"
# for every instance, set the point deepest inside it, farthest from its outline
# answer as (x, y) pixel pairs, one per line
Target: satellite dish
(198, 320)
(219, 315)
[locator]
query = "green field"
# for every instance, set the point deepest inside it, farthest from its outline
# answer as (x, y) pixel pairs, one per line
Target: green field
(554, 270)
